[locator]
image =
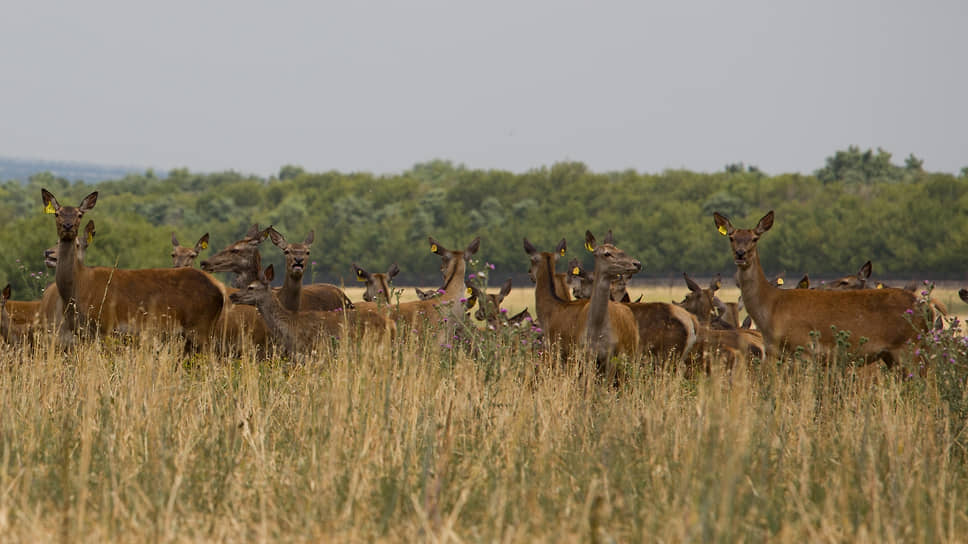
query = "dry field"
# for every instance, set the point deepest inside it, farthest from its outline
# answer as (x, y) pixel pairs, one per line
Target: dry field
(411, 442)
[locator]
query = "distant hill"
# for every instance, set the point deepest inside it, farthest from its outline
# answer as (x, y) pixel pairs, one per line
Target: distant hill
(22, 169)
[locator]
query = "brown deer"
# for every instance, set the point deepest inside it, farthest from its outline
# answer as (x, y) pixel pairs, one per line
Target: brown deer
(297, 331)
(489, 305)
(427, 295)
(293, 294)
(802, 317)
(445, 308)
(716, 333)
(109, 299)
(568, 323)
(608, 328)
(182, 256)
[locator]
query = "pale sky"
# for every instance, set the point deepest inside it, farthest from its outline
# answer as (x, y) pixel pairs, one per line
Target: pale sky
(380, 85)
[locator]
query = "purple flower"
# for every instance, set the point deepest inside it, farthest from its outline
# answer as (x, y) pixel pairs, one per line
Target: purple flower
(471, 276)
(440, 291)
(504, 310)
(491, 266)
(463, 299)
(313, 263)
(909, 311)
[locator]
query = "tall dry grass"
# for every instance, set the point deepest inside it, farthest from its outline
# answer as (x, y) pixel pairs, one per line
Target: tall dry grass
(403, 442)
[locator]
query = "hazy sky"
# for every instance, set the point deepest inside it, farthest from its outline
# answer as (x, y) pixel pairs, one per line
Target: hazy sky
(381, 85)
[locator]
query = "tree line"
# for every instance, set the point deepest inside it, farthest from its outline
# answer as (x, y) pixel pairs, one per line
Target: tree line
(910, 222)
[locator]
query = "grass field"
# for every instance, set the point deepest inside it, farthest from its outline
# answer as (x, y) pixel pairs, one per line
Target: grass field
(412, 442)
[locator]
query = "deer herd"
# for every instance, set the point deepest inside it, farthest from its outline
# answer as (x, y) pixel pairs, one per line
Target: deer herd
(586, 314)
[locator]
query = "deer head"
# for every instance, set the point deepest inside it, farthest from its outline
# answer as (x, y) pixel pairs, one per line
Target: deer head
(536, 258)
(297, 255)
(68, 218)
(488, 305)
(611, 263)
(242, 257)
(853, 281)
(703, 303)
(743, 241)
(256, 291)
(449, 258)
(182, 256)
(580, 280)
(377, 285)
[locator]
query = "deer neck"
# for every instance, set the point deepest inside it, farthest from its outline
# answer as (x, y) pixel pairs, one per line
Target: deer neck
(291, 292)
(545, 297)
(454, 283)
(279, 320)
(383, 285)
(597, 323)
(758, 293)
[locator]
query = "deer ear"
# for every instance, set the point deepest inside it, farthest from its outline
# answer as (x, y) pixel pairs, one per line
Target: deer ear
(269, 273)
(506, 288)
(88, 203)
(609, 239)
(202, 243)
(865, 271)
(277, 238)
(472, 248)
(50, 203)
(435, 246)
(690, 283)
(393, 270)
(765, 223)
(590, 241)
(253, 231)
(723, 224)
(6, 292)
(174, 241)
(310, 237)
(89, 232)
(361, 274)
(561, 247)
(529, 247)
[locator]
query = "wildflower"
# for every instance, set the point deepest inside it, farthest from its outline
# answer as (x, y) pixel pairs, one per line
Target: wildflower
(917, 352)
(491, 266)
(448, 346)
(504, 310)
(924, 293)
(313, 263)
(441, 291)
(909, 311)
(471, 276)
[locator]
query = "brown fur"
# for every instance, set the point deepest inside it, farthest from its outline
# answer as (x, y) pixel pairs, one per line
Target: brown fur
(182, 256)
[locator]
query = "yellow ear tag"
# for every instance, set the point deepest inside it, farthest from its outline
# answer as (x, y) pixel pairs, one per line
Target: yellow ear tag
(90, 238)
(779, 281)
(204, 245)
(722, 230)
(359, 276)
(470, 291)
(562, 252)
(718, 285)
(50, 207)
(575, 271)
(433, 248)
(589, 247)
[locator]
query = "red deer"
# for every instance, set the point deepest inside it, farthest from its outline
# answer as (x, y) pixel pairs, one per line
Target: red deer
(297, 331)
(182, 256)
(445, 308)
(568, 324)
(110, 300)
(293, 294)
(489, 306)
(608, 328)
(803, 317)
(715, 332)
(377, 284)
(581, 281)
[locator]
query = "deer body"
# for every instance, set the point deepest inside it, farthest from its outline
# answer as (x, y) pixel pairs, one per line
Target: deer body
(788, 318)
